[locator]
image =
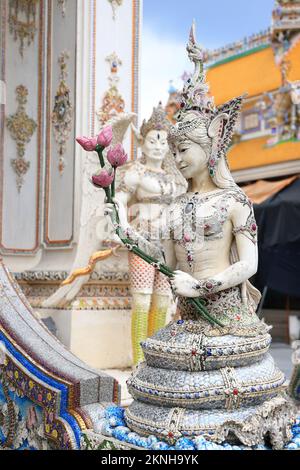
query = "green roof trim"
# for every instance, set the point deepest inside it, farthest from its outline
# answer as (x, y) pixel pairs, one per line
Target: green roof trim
(239, 56)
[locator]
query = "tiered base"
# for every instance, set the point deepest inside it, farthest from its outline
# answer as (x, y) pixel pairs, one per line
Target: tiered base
(223, 388)
(250, 426)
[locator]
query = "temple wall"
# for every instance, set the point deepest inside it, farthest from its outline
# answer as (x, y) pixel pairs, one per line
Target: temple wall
(40, 192)
(77, 66)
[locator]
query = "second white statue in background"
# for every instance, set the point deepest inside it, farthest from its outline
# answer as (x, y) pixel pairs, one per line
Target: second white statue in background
(147, 186)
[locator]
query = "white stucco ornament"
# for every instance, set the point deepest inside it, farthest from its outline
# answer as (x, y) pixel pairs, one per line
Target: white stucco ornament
(115, 4)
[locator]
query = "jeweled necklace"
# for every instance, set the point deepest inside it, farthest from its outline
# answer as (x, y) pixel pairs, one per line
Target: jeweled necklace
(163, 179)
(189, 218)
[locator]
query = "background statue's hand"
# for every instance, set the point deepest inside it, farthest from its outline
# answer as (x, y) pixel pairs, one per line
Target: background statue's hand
(185, 285)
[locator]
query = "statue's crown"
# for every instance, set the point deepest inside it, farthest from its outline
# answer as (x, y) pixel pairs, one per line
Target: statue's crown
(195, 95)
(198, 108)
(196, 99)
(158, 121)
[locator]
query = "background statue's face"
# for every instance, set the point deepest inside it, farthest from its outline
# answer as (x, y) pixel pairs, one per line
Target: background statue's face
(190, 158)
(155, 145)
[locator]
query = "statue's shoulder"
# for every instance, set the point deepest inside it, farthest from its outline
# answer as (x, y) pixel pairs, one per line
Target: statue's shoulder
(239, 196)
(133, 169)
(133, 165)
(128, 176)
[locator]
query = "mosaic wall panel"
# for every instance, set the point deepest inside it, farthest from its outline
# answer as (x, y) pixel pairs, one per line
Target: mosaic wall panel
(33, 414)
(21, 422)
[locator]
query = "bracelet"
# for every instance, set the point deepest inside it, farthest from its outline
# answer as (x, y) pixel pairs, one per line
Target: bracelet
(208, 286)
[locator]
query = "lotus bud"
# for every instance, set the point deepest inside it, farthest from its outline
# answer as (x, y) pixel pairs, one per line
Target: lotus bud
(103, 180)
(117, 156)
(87, 143)
(105, 137)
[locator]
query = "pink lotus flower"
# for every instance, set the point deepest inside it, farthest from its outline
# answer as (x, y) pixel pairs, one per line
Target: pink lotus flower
(87, 143)
(117, 156)
(105, 137)
(103, 180)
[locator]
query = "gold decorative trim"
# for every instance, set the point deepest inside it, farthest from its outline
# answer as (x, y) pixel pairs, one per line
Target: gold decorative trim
(113, 102)
(98, 256)
(21, 128)
(62, 115)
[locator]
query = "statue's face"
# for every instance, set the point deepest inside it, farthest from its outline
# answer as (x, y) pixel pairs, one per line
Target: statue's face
(190, 158)
(155, 145)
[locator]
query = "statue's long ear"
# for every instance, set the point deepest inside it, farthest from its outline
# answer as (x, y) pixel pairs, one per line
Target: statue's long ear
(216, 124)
(138, 137)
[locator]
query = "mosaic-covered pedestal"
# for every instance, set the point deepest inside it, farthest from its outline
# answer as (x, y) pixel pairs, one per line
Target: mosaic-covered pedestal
(222, 387)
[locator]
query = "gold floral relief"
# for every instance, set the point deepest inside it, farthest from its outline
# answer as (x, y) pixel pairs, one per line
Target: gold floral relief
(113, 102)
(62, 4)
(22, 21)
(21, 128)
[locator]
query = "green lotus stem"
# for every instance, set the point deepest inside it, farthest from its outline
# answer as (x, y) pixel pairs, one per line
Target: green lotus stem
(99, 151)
(167, 272)
(113, 185)
(209, 317)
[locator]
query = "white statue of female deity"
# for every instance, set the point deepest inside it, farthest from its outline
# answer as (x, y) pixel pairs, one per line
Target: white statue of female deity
(200, 378)
(147, 186)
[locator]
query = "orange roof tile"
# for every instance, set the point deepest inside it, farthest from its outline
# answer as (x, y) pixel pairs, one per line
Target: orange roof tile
(252, 73)
(254, 153)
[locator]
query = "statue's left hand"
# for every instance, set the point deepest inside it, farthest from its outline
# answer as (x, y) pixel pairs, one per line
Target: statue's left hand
(110, 210)
(185, 285)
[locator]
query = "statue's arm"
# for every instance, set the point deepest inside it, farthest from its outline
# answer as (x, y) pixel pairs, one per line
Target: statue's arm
(127, 187)
(243, 269)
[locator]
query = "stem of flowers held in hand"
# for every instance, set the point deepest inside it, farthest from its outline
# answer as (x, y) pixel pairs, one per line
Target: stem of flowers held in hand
(113, 185)
(162, 268)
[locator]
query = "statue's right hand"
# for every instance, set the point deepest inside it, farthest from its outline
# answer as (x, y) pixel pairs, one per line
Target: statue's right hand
(117, 207)
(109, 210)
